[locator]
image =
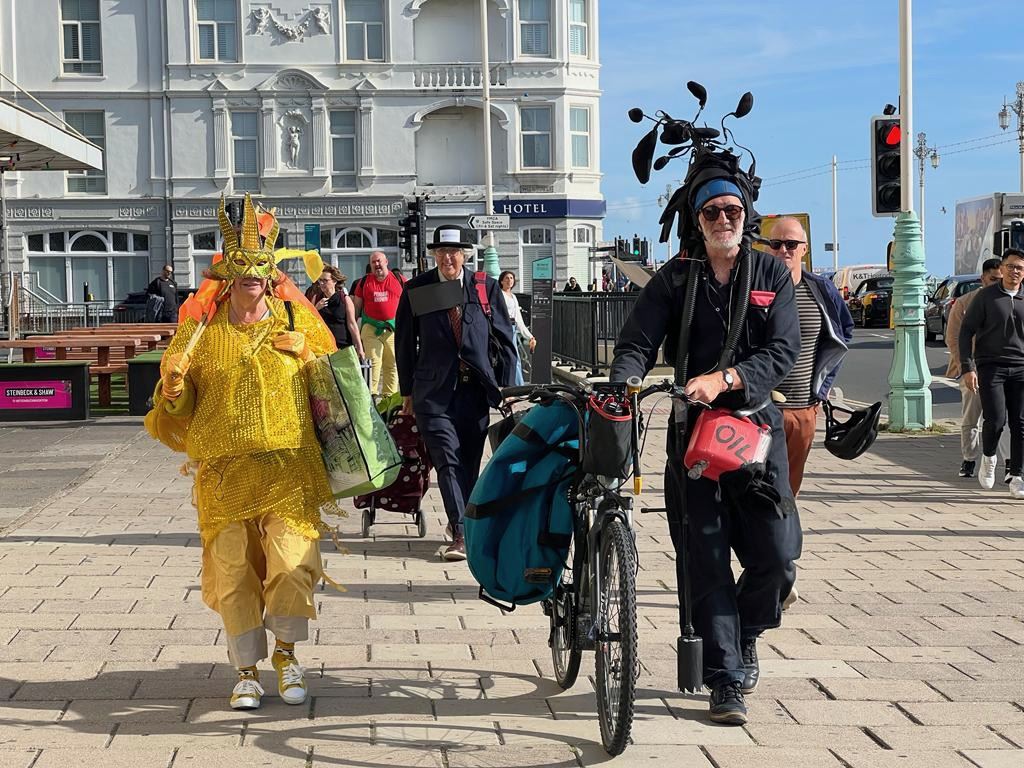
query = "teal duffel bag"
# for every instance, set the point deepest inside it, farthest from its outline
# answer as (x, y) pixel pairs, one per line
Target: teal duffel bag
(358, 452)
(518, 524)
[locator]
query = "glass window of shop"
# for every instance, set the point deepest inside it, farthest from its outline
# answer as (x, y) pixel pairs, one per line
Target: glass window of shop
(114, 263)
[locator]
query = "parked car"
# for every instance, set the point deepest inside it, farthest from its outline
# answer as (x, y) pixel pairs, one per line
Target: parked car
(133, 308)
(871, 301)
(848, 278)
(936, 311)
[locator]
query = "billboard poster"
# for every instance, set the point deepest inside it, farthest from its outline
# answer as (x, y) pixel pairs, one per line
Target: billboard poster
(21, 395)
(973, 234)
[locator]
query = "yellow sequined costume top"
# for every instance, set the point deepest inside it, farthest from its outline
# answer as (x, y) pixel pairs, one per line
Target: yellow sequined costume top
(249, 432)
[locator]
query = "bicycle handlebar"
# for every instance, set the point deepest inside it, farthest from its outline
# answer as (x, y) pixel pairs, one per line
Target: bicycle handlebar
(633, 384)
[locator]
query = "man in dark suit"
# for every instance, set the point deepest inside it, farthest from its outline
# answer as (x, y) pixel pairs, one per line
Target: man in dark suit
(445, 369)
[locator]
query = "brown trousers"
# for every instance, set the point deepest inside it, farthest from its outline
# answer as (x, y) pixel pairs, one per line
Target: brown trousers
(798, 424)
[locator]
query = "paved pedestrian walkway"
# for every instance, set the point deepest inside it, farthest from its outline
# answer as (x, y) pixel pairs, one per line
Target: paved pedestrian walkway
(905, 649)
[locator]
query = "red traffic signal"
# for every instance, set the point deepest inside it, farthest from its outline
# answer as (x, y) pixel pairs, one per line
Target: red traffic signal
(890, 134)
(886, 165)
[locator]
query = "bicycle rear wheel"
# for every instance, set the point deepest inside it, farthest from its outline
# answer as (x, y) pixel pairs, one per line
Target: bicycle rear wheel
(616, 663)
(566, 652)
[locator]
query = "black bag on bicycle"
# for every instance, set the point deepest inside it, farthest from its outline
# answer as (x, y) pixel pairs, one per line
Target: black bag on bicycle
(519, 523)
(609, 446)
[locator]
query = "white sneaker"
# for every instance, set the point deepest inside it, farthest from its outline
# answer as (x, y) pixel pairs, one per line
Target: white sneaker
(1017, 487)
(247, 693)
(987, 472)
(291, 685)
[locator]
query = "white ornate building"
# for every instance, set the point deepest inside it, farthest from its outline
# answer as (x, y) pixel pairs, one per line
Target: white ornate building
(334, 111)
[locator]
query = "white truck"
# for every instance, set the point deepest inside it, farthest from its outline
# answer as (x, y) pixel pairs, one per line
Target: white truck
(986, 226)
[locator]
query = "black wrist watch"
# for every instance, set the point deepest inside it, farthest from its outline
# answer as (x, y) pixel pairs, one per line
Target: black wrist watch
(729, 380)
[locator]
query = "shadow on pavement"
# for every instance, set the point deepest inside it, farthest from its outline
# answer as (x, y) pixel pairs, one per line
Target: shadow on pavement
(381, 712)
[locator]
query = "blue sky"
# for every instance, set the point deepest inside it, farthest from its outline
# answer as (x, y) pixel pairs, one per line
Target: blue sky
(818, 72)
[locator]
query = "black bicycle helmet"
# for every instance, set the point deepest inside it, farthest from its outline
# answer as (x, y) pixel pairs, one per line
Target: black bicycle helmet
(849, 439)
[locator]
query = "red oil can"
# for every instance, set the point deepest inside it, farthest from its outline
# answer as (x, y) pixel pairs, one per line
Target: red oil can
(722, 442)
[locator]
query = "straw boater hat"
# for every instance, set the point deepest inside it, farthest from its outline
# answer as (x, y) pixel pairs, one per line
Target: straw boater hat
(449, 236)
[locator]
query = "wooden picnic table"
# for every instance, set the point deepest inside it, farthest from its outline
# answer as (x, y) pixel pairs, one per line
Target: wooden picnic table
(103, 368)
(151, 339)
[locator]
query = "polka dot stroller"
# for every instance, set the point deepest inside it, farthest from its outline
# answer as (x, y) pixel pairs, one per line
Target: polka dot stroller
(406, 494)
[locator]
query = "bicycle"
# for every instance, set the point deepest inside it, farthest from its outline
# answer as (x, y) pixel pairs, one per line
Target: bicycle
(593, 607)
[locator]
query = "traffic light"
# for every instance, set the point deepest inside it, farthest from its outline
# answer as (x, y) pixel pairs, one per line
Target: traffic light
(645, 251)
(886, 135)
(405, 238)
(636, 247)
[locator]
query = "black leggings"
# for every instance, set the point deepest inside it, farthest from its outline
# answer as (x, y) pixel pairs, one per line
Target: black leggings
(1001, 388)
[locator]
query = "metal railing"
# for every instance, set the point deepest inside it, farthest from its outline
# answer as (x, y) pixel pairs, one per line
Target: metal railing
(40, 313)
(585, 327)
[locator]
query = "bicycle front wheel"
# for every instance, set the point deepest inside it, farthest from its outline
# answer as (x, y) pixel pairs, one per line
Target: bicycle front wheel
(616, 663)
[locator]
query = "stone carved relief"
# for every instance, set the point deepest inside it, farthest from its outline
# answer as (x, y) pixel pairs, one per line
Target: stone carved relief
(293, 127)
(263, 19)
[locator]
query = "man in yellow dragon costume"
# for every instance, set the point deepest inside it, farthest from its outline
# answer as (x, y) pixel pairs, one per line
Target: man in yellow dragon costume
(233, 396)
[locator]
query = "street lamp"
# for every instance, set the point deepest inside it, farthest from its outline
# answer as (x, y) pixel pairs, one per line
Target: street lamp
(1004, 122)
(922, 151)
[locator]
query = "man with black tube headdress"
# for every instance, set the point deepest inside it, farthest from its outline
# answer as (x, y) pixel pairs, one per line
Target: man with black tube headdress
(740, 300)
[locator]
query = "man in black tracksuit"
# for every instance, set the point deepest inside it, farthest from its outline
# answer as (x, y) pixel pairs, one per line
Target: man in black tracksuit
(766, 536)
(992, 359)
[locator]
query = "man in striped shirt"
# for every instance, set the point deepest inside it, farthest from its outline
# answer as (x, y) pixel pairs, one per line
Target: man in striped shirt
(825, 329)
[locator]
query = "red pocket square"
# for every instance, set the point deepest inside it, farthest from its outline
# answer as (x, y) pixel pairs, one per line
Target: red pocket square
(762, 298)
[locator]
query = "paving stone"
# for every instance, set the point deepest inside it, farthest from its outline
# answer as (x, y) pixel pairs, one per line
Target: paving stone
(857, 713)
(996, 758)
(510, 757)
(973, 713)
(879, 690)
(108, 758)
(928, 737)
(902, 758)
(251, 757)
(136, 710)
(17, 757)
(828, 737)
(762, 757)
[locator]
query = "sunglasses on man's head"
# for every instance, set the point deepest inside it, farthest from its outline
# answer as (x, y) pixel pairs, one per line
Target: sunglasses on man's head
(791, 245)
(712, 212)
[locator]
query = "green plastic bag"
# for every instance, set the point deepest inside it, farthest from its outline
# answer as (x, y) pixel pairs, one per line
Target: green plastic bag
(359, 453)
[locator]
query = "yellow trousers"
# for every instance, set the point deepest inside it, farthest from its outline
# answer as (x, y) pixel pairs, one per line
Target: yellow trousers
(380, 351)
(259, 575)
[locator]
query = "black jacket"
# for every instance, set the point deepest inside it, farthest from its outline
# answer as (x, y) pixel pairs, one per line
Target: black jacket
(764, 355)
(995, 324)
(766, 351)
(168, 289)
(428, 362)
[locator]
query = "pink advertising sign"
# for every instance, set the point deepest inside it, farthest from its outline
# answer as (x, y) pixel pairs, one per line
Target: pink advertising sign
(18, 395)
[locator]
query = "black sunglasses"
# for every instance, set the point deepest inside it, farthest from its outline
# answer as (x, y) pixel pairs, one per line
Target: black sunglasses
(791, 245)
(712, 212)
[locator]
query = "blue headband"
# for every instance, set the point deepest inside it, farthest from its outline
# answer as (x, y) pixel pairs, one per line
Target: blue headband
(715, 188)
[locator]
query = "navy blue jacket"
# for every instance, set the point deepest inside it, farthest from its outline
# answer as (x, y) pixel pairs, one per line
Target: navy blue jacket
(428, 362)
(835, 334)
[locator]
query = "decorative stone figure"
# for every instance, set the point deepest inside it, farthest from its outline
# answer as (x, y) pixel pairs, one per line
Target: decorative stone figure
(322, 17)
(294, 144)
(261, 16)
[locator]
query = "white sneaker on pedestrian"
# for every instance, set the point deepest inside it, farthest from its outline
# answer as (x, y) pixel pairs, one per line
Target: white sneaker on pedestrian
(1017, 487)
(247, 693)
(987, 473)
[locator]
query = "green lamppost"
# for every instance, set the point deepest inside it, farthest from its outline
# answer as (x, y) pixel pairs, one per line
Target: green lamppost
(910, 399)
(490, 258)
